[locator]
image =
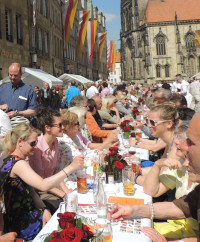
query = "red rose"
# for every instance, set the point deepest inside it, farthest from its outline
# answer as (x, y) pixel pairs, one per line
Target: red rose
(127, 128)
(113, 149)
(55, 234)
(126, 121)
(137, 113)
(71, 235)
(66, 220)
(123, 124)
(87, 233)
(119, 165)
(135, 109)
(56, 239)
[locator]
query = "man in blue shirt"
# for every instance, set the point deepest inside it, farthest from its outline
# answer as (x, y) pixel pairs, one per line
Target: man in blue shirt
(16, 97)
(72, 92)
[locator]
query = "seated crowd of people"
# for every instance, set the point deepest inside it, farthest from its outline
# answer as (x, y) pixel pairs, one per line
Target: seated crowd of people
(35, 161)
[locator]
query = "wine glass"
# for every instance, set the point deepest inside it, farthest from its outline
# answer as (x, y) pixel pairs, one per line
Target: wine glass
(111, 200)
(102, 230)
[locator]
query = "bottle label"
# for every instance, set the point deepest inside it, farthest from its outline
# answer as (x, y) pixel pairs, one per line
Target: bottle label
(110, 179)
(102, 212)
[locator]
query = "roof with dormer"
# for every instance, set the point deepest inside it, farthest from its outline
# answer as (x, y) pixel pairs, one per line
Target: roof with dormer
(164, 10)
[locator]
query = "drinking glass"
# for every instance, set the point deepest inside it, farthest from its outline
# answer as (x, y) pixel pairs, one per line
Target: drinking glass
(136, 165)
(128, 181)
(103, 230)
(111, 200)
(81, 180)
(69, 204)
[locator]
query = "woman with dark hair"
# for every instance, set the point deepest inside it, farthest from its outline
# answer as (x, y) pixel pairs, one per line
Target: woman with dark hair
(55, 101)
(45, 160)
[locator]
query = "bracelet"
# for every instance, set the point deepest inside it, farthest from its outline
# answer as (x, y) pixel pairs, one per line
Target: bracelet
(136, 177)
(65, 172)
(152, 211)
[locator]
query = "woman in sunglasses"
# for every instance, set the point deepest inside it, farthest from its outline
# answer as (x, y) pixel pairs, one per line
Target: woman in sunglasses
(121, 106)
(45, 159)
(162, 120)
(26, 213)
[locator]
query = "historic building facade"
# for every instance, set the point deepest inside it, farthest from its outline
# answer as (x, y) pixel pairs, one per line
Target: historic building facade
(157, 39)
(41, 45)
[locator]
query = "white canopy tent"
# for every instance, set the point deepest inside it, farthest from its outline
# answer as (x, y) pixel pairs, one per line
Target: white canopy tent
(71, 77)
(36, 77)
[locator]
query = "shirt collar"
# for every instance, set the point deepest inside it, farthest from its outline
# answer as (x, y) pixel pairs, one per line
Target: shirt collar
(19, 85)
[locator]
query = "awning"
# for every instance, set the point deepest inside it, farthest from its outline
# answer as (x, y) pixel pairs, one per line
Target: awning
(36, 77)
(71, 77)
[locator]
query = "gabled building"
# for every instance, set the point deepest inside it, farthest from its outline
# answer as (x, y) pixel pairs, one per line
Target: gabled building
(156, 39)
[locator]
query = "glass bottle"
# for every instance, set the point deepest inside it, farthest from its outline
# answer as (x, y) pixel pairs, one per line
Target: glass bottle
(101, 200)
(109, 173)
(95, 186)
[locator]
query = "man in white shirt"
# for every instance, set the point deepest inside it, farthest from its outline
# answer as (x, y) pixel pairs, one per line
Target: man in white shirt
(182, 87)
(92, 91)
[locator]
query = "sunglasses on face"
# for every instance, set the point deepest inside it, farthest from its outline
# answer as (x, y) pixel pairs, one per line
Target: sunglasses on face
(58, 125)
(154, 123)
(33, 143)
(77, 123)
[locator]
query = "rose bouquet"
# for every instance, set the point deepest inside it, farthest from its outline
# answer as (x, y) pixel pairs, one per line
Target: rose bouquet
(135, 112)
(117, 162)
(71, 229)
(126, 128)
(140, 101)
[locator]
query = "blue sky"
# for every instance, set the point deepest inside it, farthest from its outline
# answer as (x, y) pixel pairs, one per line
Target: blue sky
(111, 9)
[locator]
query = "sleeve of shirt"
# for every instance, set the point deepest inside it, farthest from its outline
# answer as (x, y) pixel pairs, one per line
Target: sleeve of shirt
(168, 178)
(146, 131)
(32, 104)
(189, 204)
(105, 116)
(123, 110)
(5, 124)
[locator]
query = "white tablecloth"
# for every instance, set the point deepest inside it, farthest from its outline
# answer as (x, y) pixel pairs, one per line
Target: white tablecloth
(118, 236)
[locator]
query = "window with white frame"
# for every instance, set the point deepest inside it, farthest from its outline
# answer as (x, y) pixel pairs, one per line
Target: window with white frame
(40, 40)
(8, 19)
(19, 28)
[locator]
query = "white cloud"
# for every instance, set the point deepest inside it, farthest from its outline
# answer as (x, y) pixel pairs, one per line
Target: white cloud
(111, 17)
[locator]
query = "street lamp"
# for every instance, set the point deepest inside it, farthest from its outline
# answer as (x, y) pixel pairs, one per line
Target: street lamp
(34, 58)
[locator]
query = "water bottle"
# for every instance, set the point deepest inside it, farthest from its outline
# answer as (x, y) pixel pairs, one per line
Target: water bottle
(95, 186)
(101, 201)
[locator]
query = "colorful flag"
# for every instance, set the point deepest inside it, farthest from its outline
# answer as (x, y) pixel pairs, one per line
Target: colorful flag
(91, 37)
(101, 42)
(83, 21)
(110, 49)
(68, 13)
(197, 32)
(196, 43)
(114, 57)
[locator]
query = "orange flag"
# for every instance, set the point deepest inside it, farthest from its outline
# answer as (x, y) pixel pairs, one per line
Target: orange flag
(197, 32)
(196, 43)
(101, 42)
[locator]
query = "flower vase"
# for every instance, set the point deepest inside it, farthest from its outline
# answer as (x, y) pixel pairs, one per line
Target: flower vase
(117, 176)
(126, 135)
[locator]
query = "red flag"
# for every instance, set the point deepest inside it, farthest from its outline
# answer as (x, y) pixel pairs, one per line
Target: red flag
(91, 37)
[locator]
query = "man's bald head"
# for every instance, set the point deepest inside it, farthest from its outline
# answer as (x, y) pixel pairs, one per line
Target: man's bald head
(15, 73)
(98, 102)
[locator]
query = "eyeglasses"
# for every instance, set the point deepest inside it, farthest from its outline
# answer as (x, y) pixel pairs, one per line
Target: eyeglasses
(77, 123)
(57, 125)
(154, 123)
(33, 143)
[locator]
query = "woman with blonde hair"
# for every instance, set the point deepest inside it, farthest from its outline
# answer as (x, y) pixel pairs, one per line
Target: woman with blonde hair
(26, 213)
(107, 110)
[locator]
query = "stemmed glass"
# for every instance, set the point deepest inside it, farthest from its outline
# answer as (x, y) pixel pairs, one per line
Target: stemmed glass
(111, 200)
(103, 230)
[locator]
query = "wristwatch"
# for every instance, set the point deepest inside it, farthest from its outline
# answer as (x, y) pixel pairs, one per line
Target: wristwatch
(17, 113)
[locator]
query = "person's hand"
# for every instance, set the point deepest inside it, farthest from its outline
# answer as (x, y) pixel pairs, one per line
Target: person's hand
(113, 136)
(170, 163)
(11, 114)
(138, 125)
(4, 107)
(78, 162)
(127, 117)
(46, 217)
(153, 234)
(132, 141)
(114, 109)
(122, 212)
(9, 237)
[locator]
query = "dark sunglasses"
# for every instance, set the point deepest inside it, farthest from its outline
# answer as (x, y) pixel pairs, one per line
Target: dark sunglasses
(154, 123)
(33, 143)
(57, 125)
(77, 123)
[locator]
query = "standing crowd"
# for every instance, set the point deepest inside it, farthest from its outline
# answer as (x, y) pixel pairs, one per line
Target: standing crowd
(47, 134)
